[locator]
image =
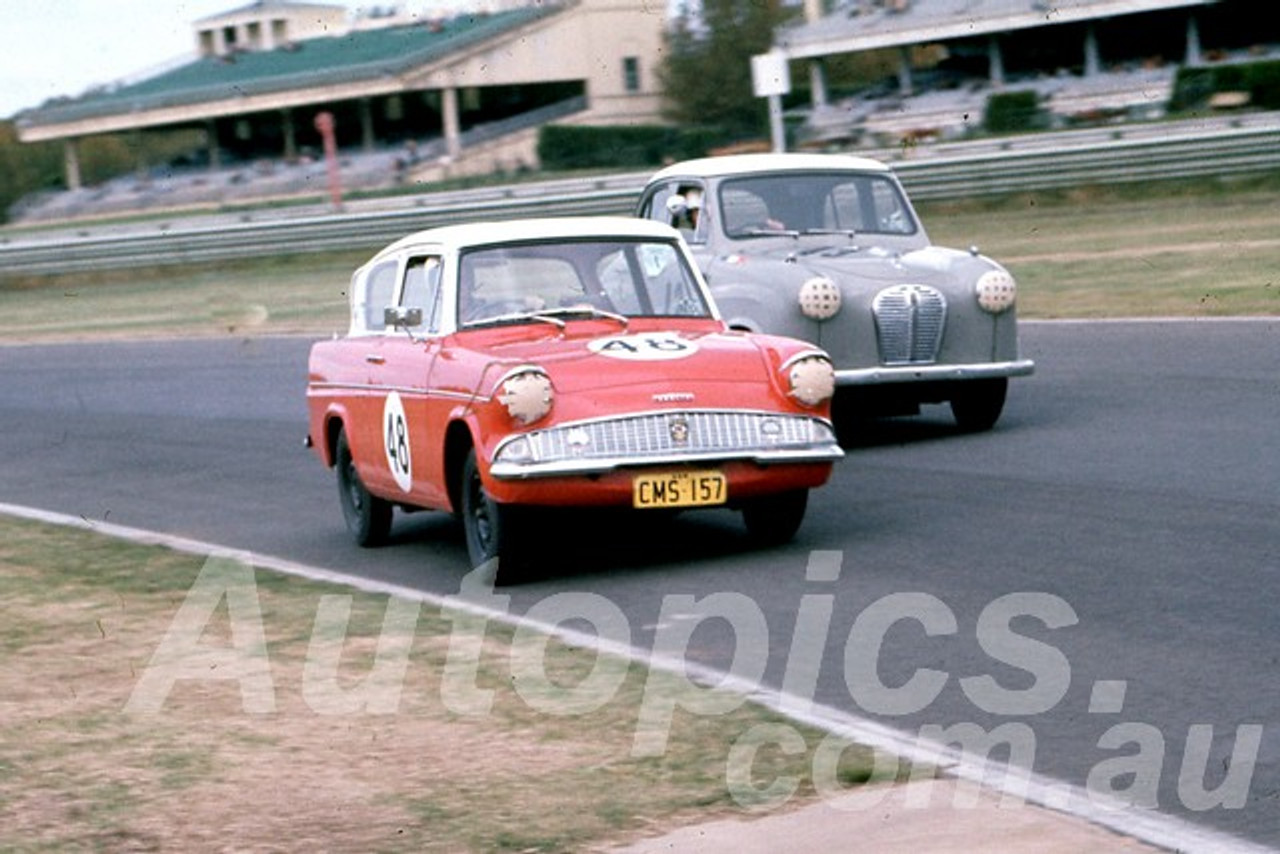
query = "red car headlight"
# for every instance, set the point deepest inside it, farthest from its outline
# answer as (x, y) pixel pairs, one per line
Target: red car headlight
(526, 393)
(811, 378)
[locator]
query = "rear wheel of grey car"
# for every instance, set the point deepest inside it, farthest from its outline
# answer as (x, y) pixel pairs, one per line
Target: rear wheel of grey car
(774, 519)
(368, 517)
(978, 403)
(491, 528)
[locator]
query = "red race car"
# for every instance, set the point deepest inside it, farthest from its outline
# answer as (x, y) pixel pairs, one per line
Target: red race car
(490, 369)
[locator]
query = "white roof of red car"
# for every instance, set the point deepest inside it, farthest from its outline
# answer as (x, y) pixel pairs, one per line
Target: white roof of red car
(550, 228)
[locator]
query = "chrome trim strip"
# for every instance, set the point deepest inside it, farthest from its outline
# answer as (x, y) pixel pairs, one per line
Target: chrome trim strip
(399, 389)
(933, 373)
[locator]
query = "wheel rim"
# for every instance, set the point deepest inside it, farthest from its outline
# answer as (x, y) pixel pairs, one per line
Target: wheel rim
(352, 488)
(481, 516)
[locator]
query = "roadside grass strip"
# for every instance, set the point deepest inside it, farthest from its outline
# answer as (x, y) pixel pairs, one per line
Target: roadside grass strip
(307, 713)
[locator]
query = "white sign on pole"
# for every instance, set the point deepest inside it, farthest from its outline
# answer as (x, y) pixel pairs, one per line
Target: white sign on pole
(770, 74)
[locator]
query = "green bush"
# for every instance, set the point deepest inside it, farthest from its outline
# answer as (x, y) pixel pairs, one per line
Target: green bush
(1012, 112)
(608, 147)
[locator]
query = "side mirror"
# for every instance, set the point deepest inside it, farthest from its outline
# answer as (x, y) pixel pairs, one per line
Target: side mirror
(395, 316)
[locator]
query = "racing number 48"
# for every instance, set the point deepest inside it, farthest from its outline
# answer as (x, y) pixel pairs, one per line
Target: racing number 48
(397, 442)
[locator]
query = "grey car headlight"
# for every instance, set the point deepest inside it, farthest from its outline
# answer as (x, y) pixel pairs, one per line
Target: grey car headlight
(819, 298)
(996, 291)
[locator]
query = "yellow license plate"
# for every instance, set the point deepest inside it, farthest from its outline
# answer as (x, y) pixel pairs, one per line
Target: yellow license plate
(679, 489)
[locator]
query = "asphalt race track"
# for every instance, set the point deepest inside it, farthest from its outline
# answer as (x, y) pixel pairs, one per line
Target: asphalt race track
(1108, 557)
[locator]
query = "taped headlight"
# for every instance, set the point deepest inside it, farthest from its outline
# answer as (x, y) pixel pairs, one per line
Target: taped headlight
(819, 298)
(811, 378)
(526, 393)
(996, 291)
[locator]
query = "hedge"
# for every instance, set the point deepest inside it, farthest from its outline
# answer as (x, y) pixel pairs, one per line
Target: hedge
(607, 147)
(1195, 86)
(1010, 112)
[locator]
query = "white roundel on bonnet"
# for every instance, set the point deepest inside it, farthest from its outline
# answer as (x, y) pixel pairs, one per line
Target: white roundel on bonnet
(645, 347)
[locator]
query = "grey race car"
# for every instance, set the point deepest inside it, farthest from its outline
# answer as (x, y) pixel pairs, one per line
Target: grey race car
(828, 248)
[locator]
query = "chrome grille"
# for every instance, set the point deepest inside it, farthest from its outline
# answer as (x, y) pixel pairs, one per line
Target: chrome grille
(658, 435)
(909, 324)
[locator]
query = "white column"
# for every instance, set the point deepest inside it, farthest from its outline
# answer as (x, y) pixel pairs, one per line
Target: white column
(995, 62)
(1194, 55)
(366, 124)
(1092, 57)
(818, 83)
(71, 164)
(452, 124)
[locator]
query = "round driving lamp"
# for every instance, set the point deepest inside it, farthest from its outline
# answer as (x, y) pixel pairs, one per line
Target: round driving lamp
(819, 298)
(811, 378)
(996, 291)
(526, 393)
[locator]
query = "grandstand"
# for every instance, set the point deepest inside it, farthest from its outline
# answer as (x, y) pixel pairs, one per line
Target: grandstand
(1088, 60)
(411, 99)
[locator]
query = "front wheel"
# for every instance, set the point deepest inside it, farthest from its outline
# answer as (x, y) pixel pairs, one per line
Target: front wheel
(774, 519)
(368, 517)
(490, 527)
(977, 404)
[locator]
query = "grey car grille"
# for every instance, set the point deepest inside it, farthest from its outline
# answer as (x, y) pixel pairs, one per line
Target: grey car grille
(672, 433)
(909, 324)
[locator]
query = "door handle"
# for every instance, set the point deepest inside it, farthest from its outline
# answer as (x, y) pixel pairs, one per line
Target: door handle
(375, 359)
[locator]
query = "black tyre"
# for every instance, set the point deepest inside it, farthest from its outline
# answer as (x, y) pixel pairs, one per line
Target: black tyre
(368, 517)
(774, 519)
(977, 404)
(491, 528)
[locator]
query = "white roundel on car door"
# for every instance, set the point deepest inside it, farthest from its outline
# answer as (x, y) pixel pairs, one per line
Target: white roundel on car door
(645, 347)
(395, 441)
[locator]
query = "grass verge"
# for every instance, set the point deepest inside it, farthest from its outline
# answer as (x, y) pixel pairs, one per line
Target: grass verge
(83, 767)
(1203, 249)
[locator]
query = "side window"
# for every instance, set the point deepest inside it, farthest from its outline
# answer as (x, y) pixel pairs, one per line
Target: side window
(655, 208)
(422, 290)
(685, 216)
(372, 294)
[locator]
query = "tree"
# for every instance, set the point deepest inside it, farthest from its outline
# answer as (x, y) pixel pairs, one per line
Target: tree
(24, 168)
(706, 68)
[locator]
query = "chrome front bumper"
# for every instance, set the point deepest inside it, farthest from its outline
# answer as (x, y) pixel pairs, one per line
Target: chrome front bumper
(884, 374)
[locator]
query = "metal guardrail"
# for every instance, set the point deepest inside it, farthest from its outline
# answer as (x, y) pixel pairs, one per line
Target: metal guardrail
(936, 172)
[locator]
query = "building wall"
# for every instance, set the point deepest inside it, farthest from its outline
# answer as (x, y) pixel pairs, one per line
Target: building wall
(589, 43)
(268, 26)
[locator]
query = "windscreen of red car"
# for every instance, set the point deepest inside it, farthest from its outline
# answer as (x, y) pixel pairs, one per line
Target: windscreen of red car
(635, 278)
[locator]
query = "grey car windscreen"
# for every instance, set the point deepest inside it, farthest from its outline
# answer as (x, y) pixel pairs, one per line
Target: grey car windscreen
(811, 203)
